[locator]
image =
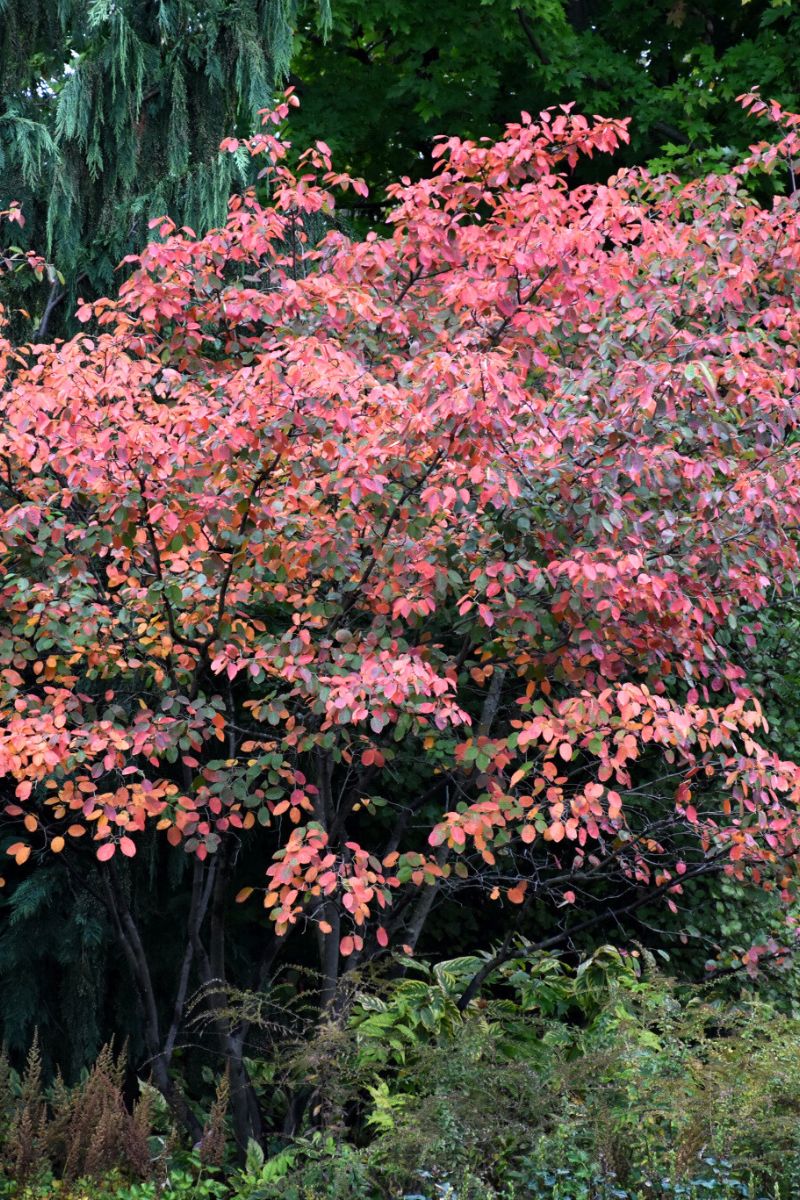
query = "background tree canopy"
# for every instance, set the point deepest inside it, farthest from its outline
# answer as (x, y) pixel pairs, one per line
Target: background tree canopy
(394, 73)
(112, 112)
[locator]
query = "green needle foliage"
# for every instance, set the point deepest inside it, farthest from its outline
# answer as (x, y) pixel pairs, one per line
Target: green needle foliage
(111, 114)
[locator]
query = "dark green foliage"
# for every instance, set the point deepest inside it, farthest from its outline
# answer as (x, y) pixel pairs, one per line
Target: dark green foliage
(395, 73)
(62, 970)
(112, 112)
(56, 971)
(774, 670)
(575, 1082)
(601, 1081)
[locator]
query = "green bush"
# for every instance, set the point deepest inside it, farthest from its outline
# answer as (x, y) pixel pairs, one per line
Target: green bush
(604, 1078)
(602, 1081)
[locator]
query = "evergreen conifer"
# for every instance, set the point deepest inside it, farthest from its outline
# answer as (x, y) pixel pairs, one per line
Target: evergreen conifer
(111, 114)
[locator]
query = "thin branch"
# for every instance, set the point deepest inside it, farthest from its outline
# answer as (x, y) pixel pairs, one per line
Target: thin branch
(506, 951)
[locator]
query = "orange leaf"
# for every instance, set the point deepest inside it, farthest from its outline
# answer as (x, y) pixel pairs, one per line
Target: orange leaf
(57, 845)
(517, 894)
(243, 894)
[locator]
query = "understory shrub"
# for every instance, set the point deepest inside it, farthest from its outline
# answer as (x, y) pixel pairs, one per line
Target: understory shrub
(604, 1080)
(71, 1132)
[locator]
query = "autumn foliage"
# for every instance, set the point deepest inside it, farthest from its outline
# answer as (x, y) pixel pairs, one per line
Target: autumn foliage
(413, 561)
